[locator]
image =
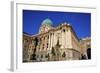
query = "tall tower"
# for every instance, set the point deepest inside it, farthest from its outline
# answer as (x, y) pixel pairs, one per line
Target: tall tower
(45, 26)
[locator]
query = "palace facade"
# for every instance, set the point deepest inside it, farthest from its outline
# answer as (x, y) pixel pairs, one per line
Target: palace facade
(55, 44)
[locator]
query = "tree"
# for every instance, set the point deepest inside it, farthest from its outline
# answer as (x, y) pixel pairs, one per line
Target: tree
(56, 51)
(53, 51)
(36, 42)
(83, 57)
(64, 54)
(33, 56)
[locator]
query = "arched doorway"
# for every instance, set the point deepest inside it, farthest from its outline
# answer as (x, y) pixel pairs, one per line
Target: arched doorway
(89, 53)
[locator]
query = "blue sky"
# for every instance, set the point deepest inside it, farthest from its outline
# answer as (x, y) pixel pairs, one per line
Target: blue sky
(81, 22)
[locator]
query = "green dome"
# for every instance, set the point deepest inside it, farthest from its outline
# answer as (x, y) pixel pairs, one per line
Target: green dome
(47, 22)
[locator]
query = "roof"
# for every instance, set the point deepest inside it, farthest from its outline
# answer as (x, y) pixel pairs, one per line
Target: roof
(47, 22)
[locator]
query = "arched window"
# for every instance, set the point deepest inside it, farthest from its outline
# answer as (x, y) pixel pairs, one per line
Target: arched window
(63, 30)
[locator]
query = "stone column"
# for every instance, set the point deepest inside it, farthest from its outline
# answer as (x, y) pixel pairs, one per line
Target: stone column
(51, 39)
(49, 44)
(61, 39)
(65, 39)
